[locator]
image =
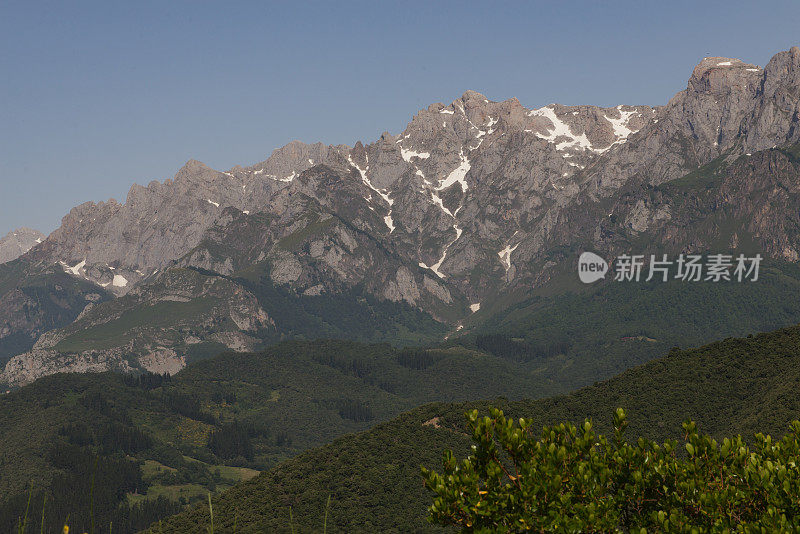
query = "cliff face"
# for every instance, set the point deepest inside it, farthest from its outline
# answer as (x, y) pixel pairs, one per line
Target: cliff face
(34, 302)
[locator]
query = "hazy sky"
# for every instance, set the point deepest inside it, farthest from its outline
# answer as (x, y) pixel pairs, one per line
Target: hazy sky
(95, 96)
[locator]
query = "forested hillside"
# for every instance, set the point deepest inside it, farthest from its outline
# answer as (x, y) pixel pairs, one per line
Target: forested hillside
(584, 334)
(373, 478)
(242, 413)
(221, 420)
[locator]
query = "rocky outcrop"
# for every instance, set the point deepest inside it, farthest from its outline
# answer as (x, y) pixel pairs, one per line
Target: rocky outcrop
(728, 107)
(34, 303)
(26, 368)
(155, 327)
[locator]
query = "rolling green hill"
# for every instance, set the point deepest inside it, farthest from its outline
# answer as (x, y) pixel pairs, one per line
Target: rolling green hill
(298, 395)
(218, 421)
(585, 334)
(733, 386)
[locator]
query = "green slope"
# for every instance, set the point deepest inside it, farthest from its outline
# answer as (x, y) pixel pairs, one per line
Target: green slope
(299, 395)
(592, 333)
(354, 314)
(734, 386)
(157, 436)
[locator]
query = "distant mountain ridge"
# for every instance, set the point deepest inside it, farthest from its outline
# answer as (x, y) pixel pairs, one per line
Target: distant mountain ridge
(16, 243)
(474, 203)
(557, 153)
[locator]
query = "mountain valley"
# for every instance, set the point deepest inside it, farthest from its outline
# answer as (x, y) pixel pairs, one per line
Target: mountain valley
(310, 329)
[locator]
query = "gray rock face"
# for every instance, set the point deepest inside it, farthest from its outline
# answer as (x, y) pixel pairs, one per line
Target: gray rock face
(36, 302)
(460, 185)
(152, 328)
(417, 183)
(777, 113)
(471, 200)
(18, 242)
(728, 107)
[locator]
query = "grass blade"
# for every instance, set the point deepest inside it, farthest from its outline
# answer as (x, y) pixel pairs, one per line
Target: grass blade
(24, 523)
(91, 494)
(211, 514)
(44, 503)
(325, 523)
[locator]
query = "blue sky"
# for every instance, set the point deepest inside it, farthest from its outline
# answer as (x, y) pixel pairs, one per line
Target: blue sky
(95, 96)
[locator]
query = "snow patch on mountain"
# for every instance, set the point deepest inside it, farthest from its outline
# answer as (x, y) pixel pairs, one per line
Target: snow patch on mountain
(407, 154)
(76, 269)
(435, 268)
(438, 201)
(458, 174)
(620, 126)
(560, 130)
(381, 192)
(505, 255)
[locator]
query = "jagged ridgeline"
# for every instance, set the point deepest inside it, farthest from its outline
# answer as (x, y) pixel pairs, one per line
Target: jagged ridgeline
(736, 386)
(475, 206)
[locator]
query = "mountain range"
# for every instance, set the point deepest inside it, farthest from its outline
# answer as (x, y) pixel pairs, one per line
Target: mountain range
(325, 317)
(474, 207)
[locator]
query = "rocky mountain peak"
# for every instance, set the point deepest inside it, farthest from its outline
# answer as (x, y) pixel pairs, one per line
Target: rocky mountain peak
(783, 70)
(194, 171)
(194, 165)
(728, 107)
(470, 200)
(786, 61)
(438, 173)
(474, 97)
(18, 242)
(722, 75)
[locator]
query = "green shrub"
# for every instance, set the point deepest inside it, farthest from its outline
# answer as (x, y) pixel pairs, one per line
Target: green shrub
(571, 479)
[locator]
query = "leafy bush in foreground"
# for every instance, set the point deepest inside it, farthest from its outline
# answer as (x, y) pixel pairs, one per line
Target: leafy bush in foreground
(571, 479)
